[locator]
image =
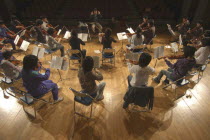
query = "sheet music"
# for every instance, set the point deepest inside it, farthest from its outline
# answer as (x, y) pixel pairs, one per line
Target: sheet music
(16, 39)
(67, 35)
(23, 33)
(59, 31)
(96, 60)
(35, 50)
(52, 65)
(130, 30)
(83, 36)
(24, 45)
(159, 52)
(122, 36)
(97, 51)
(174, 47)
(41, 53)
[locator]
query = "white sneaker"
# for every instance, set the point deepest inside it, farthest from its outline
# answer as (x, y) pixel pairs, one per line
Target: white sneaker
(58, 100)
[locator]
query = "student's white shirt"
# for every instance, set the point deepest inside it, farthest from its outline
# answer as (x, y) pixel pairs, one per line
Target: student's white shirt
(135, 41)
(201, 55)
(140, 75)
(44, 26)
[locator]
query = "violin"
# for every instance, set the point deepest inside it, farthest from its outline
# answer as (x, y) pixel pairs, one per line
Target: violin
(172, 57)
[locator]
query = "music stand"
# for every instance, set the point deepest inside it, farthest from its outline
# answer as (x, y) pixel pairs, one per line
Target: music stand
(121, 36)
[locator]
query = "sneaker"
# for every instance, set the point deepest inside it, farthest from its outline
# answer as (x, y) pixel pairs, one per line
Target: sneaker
(155, 80)
(58, 100)
(100, 98)
(166, 81)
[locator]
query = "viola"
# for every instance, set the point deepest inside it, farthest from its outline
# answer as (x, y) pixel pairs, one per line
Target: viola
(172, 57)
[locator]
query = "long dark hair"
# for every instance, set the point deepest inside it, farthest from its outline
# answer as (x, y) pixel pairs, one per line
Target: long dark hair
(88, 64)
(74, 33)
(108, 33)
(30, 62)
(138, 32)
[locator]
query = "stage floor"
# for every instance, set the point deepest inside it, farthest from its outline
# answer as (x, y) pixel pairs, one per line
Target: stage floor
(185, 118)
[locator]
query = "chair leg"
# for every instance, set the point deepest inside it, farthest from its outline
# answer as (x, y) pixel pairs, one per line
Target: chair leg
(74, 107)
(91, 110)
(34, 106)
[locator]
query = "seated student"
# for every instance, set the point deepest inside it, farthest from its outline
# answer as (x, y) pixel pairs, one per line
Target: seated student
(141, 71)
(87, 78)
(16, 25)
(144, 24)
(107, 40)
(40, 35)
(52, 43)
(180, 68)
(149, 33)
(10, 70)
(136, 40)
(75, 42)
(5, 36)
(45, 23)
(201, 55)
(35, 83)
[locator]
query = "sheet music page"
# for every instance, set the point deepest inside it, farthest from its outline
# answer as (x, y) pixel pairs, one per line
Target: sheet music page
(174, 47)
(59, 31)
(16, 39)
(35, 50)
(80, 36)
(53, 62)
(58, 63)
(67, 35)
(156, 52)
(65, 65)
(161, 51)
(122, 36)
(24, 45)
(97, 51)
(130, 30)
(41, 53)
(96, 60)
(84, 37)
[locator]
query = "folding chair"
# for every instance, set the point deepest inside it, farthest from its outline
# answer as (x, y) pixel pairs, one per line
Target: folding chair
(74, 55)
(108, 54)
(178, 83)
(29, 100)
(88, 102)
(139, 96)
(9, 82)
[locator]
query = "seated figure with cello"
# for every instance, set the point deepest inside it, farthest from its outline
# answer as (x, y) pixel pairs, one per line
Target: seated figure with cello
(46, 25)
(144, 24)
(149, 32)
(184, 26)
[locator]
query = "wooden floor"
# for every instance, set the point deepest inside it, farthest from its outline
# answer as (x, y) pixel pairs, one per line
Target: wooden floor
(183, 119)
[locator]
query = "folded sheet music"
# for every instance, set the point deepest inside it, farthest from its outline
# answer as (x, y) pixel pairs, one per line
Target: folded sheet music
(174, 47)
(24, 45)
(132, 56)
(59, 31)
(122, 36)
(97, 51)
(96, 60)
(130, 30)
(59, 63)
(83, 36)
(39, 52)
(67, 35)
(16, 39)
(159, 52)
